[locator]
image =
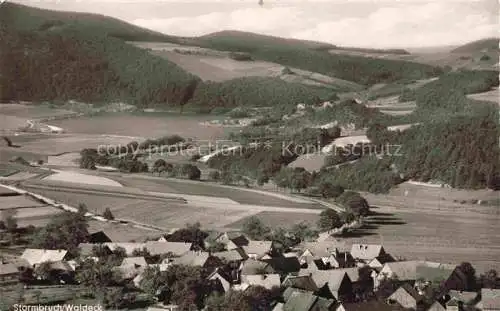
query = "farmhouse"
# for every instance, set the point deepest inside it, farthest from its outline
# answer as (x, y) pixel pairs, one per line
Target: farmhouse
(366, 252)
(235, 255)
(9, 275)
(252, 266)
(334, 282)
(223, 277)
(163, 248)
(197, 258)
(304, 282)
(265, 280)
(490, 300)
(37, 256)
(406, 296)
(135, 261)
(258, 249)
(298, 300)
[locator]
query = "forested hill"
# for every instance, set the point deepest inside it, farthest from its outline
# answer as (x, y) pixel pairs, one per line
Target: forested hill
(69, 63)
(24, 18)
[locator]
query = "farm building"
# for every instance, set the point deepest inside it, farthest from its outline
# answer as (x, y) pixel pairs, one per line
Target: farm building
(9, 275)
(406, 296)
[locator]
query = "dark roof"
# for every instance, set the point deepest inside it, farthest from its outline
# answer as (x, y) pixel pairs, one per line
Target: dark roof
(99, 237)
(284, 264)
(371, 306)
(252, 266)
(304, 282)
(300, 301)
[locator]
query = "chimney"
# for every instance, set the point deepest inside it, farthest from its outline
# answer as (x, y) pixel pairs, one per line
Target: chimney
(345, 257)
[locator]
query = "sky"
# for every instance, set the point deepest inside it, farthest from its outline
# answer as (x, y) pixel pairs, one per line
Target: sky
(361, 23)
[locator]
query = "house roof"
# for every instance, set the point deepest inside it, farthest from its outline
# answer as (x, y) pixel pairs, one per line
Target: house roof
(36, 256)
(160, 248)
(284, 264)
(232, 255)
(409, 290)
(8, 268)
(218, 271)
(490, 299)
(99, 237)
(333, 278)
(278, 307)
(257, 247)
(353, 273)
(366, 251)
(192, 258)
(323, 304)
(86, 249)
(322, 249)
(370, 306)
(414, 270)
(436, 306)
(138, 261)
(465, 297)
(252, 266)
(300, 301)
(265, 280)
(61, 265)
(304, 282)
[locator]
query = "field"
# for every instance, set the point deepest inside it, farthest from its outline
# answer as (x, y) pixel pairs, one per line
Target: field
(213, 65)
(491, 96)
(122, 232)
(26, 210)
(276, 219)
(241, 195)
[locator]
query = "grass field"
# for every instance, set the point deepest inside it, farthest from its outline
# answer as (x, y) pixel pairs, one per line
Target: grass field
(207, 189)
(277, 219)
(122, 232)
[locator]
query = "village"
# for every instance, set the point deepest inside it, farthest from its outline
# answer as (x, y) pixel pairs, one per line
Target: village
(194, 269)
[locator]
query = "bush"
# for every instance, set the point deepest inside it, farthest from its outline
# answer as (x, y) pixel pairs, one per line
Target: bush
(108, 215)
(240, 56)
(214, 175)
(329, 190)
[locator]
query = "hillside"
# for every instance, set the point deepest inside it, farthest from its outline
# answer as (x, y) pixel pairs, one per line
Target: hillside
(362, 70)
(478, 46)
(73, 64)
(25, 18)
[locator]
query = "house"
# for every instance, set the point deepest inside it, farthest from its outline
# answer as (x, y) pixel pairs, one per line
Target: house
(9, 275)
(197, 259)
(460, 298)
(99, 237)
(137, 261)
(328, 251)
(368, 306)
(366, 252)
(258, 249)
(333, 283)
(278, 307)
(223, 277)
(163, 248)
(265, 280)
(284, 265)
(232, 239)
(304, 282)
(436, 306)
(252, 266)
(37, 256)
(306, 301)
(87, 249)
(406, 296)
(490, 300)
(378, 263)
(421, 273)
(234, 255)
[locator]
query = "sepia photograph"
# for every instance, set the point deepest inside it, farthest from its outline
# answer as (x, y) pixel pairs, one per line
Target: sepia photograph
(249, 155)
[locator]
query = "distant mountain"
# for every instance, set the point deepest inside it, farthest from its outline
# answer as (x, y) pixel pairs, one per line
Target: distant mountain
(488, 44)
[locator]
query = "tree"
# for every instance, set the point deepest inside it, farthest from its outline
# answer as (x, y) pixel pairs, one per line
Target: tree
(364, 290)
(96, 275)
(490, 279)
(192, 233)
(303, 232)
(329, 190)
(107, 214)
(354, 202)
(66, 231)
(470, 276)
(190, 171)
(329, 219)
(255, 229)
(215, 247)
(43, 271)
(10, 223)
(387, 287)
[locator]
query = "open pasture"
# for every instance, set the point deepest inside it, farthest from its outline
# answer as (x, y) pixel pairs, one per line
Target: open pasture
(279, 219)
(32, 111)
(450, 237)
(120, 232)
(240, 195)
